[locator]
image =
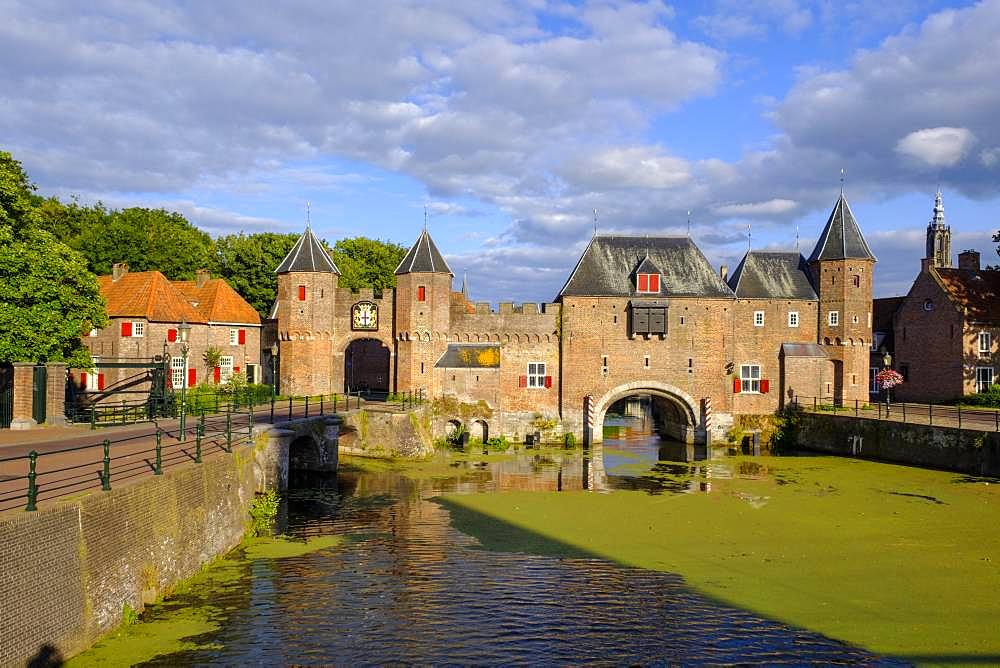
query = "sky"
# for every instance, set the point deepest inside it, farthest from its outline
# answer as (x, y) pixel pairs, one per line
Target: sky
(510, 122)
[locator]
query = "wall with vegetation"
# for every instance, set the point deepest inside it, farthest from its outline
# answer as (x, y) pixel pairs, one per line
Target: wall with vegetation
(70, 570)
(964, 451)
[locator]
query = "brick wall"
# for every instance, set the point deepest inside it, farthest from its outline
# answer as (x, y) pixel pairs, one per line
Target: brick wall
(69, 568)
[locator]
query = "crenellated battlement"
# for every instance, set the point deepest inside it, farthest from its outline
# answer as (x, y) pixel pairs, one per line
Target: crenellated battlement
(352, 295)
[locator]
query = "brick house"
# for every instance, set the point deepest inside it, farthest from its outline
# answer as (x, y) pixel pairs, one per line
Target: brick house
(638, 316)
(944, 331)
(145, 309)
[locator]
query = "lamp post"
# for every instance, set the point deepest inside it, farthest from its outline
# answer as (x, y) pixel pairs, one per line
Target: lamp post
(183, 330)
(274, 372)
(886, 364)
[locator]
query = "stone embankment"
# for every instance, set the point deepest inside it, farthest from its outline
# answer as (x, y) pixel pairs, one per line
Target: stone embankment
(939, 447)
(388, 434)
(69, 570)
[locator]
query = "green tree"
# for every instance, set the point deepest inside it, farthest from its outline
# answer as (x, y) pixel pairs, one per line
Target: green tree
(147, 239)
(247, 263)
(48, 299)
(365, 262)
(68, 221)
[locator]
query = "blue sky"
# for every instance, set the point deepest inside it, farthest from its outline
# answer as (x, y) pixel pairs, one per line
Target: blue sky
(512, 121)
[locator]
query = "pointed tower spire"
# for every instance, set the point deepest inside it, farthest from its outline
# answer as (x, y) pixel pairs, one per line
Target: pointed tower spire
(939, 236)
(307, 254)
(465, 286)
(841, 237)
(423, 256)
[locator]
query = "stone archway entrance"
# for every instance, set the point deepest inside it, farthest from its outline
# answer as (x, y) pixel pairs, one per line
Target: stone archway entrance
(366, 366)
(676, 410)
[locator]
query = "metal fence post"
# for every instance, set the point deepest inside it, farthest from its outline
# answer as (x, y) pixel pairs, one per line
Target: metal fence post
(307, 405)
(93, 416)
(960, 416)
(930, 414)
(159, 456)
(289, 407)
(335, 402)
(250, 426)
(272, 408)
(855, 408)
(229, 432)
(199, 430)
(321, 404)
(32, 487)
(106, 477)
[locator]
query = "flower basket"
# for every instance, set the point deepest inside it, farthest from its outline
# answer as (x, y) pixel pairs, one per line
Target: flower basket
(888, 379)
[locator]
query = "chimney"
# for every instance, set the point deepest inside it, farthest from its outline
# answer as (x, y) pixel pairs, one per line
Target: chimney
(969, 259)
(202, 277)
(118, 270)
(724, 272)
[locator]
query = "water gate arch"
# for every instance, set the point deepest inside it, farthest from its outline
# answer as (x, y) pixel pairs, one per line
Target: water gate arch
(681, 412)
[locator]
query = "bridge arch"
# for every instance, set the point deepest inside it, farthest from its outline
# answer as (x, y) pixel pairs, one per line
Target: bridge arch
(683, 417)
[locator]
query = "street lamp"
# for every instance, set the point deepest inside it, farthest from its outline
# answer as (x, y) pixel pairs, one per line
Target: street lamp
(886, 364)
(183, 330)
(274, 372)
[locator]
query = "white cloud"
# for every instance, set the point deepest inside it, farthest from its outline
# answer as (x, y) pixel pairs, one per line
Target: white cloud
(937, 147)
(770, 207)
(627, 167)
(990, 156)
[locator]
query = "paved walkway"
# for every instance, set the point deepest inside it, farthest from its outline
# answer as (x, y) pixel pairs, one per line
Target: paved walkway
(70, 458)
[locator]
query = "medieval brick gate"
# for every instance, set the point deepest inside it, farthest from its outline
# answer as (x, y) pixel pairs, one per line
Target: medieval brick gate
(367, 366)
(678, 412)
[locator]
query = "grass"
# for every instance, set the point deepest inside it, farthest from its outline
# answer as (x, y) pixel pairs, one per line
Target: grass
(898, 560)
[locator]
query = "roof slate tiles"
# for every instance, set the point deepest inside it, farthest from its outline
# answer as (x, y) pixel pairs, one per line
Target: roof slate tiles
(423, 256)
(149, 295)
(841, 237)
(978, 292)
(307, 254)
(772, 275)
(607, 268)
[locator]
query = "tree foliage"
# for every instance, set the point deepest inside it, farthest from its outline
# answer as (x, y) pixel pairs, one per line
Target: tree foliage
(48, 299)
(147, 239)
(247, 263)
(365, 262)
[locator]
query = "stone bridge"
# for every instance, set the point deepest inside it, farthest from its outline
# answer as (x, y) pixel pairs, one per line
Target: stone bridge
(300, 445)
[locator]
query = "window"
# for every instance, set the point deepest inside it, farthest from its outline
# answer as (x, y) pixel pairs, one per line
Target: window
(793, 318)
(536, 374)
(749, 378)
(872, 383)
(604, 364)
(854, 318)
(94, 381)
(984, 378)
(649, 319)
(985, 343)
(421, 293)
(928, 305)
(646, 361)
(857, 281)
(225, 368)
(234, 337)
(138, 328)
(177, 372)
(302, 293)
(833, 318)
(758, 318)
(649, 283)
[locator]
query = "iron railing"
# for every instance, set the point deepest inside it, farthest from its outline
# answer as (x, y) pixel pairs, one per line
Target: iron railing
(973, 419)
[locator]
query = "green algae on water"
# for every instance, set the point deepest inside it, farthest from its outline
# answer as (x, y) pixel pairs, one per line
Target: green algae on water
(848, 548)
(283, 547)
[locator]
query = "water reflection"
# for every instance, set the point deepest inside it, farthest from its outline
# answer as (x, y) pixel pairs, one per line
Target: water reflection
(409, 588)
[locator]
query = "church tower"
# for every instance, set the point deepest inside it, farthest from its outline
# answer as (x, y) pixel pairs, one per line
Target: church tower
(423, 299)
(307, 286)
(938, 237)
(842, 265)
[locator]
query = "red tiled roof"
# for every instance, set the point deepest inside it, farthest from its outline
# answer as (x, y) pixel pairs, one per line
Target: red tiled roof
(149, 295)
(218, 302)
(978, 292)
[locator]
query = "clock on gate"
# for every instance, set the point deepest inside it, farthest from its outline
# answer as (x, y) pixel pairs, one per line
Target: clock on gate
(364, 316)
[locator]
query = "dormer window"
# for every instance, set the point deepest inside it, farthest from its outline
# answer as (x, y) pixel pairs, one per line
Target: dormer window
(648, 283)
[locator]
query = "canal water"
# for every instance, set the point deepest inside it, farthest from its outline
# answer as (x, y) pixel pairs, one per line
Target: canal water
(409, 588)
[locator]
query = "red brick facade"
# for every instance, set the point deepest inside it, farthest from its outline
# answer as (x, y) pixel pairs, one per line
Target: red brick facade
(743, 352)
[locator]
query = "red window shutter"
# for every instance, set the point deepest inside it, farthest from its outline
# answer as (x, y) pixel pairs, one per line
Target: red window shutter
(548, 381)
(765, 385)
(736, 385)
(126, 329)
(236, 369)
(302, 293)
(643, 282)
(192, 377)
(100, 381)
(217, 374)
(243, 337)
(654, 282)
(171, 335)
(83, 380)
(421, 293)
(522, 381)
